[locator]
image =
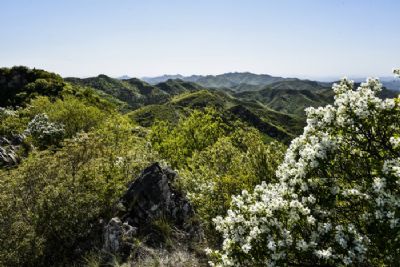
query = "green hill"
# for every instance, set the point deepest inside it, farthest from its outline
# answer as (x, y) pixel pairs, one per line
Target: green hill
(20, 84)
(276, 109)
(290, 97)
(272, 123)
(136, 93)
(293, 96)
(177, 86)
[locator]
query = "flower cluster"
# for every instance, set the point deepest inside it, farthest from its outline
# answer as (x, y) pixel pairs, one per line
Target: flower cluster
(44, 132)
(4, 112)
(337, 201)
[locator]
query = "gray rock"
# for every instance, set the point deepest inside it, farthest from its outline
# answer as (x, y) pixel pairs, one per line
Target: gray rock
(9, 150)
(118, 236)
(151, 196)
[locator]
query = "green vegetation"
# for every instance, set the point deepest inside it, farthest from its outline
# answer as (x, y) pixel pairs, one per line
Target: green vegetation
(134, 92)
(83, 151)
(19, 84)
(84, 140)
(178, 143)
(180, 97)
(232, 164)
(53, 203)
(290, 97)
(216, 160)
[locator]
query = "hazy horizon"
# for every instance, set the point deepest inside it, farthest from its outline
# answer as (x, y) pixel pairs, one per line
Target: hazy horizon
(321, 78)
(309, 39)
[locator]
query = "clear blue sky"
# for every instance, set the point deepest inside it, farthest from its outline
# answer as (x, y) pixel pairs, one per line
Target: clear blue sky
(301, 38)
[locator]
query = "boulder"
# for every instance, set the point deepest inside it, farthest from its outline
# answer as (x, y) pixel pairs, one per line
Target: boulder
(9, 150)
(150, 197)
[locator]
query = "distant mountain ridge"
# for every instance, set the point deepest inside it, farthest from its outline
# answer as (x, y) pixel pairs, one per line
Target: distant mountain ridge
(247, 81)
(391, 83)
(227, 80)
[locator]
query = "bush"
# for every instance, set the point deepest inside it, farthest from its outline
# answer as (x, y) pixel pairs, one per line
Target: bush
(52, 206)
(43, 132)
(227, 167)
(11, 122)
(177, 143)
(337, 199)
(74, 114)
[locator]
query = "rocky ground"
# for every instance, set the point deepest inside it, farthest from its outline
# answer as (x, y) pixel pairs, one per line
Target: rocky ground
(154, 223)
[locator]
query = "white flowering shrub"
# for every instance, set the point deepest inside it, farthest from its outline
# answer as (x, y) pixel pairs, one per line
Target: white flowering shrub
(44, 133)
(337, 201)
(4, 112)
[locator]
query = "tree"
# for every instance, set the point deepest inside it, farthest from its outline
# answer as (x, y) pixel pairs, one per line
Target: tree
(337, 201)
(196, 132)
(225, 168)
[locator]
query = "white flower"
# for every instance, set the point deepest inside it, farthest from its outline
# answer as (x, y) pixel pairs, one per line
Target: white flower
(324, 253)
(395, 141)
(246, 248)
(271, 245)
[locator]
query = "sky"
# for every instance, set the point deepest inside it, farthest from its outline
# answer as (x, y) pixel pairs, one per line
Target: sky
(289, 38)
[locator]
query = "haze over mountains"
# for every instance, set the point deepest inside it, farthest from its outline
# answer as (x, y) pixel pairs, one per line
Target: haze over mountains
(235, 79)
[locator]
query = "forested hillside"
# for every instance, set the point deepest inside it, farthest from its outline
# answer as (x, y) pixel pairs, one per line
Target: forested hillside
(229, 170)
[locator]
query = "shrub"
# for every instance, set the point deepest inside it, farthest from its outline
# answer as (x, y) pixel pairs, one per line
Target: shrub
(11, 122)
(337, 200)
(225, 168)
(74, 114)
(52, 205)
(43, 132)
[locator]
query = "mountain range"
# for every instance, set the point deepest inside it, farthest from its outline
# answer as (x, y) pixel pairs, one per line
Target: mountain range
(273, 105)
(249, 81)
(222, 80)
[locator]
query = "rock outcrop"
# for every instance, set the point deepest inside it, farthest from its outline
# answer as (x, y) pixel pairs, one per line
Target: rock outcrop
(118, 236)
(8, 150)
(151, 197)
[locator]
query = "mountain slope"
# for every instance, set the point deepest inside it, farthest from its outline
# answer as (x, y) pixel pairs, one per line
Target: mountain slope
(290, 97)
(136, 93)
(274, 124)
(276, 109)
(133, 91)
